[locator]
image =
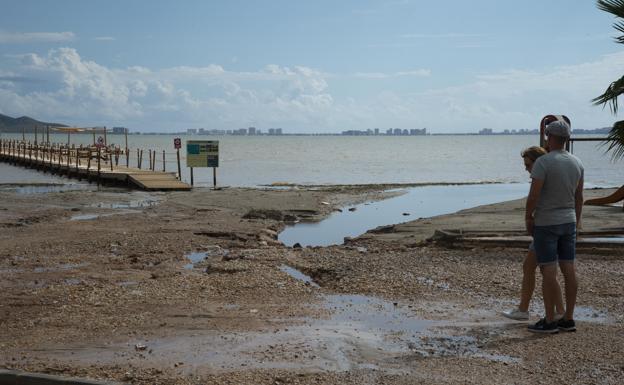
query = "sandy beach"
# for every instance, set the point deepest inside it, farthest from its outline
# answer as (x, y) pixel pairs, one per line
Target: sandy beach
(195, 288)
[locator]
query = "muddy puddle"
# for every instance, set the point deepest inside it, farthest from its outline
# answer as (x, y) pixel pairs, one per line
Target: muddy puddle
(417, 202)
(298, 275)
(350, 332)
(200, 258)
(90, 217)
(28, 189)
(141, 203)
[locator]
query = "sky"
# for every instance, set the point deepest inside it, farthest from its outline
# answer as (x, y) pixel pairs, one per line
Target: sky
(321, 66)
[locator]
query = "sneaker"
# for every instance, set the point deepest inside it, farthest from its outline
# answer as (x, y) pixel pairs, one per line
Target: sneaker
(517, 315)
(566, 325)
(544, 327)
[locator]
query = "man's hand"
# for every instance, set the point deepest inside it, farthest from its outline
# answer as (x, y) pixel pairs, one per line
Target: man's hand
(529, 224)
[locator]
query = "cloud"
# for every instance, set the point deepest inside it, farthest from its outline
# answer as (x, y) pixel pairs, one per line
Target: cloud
(35, 37)
(382, 75)
(104, 38)
(63, 86)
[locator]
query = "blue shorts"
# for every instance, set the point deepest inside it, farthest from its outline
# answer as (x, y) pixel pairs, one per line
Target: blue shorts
(555, 243)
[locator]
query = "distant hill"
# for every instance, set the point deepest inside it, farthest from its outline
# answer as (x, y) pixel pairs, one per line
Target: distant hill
(9, 124)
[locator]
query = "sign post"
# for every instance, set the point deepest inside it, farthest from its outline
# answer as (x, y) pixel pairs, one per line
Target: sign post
(203, 153)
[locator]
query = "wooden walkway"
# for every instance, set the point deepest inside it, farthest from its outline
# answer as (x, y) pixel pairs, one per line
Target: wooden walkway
(93, 164)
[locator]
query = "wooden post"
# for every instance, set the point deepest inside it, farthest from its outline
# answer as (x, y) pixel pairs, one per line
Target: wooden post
(35, 135)
(93, 130)
(149, 156)
(154, 161)
(127, 155)
(214, 178)
(191, 176)
(164, 168)
(141, 160)
(179, 170)
(105, 141)
(48, 134)
(99, 165)
(23, 133)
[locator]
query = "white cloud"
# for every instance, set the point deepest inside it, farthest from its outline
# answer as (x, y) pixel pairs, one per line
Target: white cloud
(382, 75)
(35, 37)
(104, 38)
(62, 86)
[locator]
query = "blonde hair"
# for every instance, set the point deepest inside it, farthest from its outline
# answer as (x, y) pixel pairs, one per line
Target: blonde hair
(533, 152)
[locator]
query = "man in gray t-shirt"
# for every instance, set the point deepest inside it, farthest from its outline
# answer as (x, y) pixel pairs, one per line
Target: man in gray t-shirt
(553, 210)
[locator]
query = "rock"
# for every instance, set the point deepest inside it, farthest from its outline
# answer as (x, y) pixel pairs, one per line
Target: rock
(297, 246)
(406, 214)
(352, 208)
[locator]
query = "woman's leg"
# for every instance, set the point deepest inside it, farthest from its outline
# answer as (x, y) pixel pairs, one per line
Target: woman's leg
(528, 285)
(528, 280)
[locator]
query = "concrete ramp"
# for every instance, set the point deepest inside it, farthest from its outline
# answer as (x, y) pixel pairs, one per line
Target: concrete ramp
(157, 181)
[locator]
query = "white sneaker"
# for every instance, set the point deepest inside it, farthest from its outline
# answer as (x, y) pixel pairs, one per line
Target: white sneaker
(517, 315)
(558, 317)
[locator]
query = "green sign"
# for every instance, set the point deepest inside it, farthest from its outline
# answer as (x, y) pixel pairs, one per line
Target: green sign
(202, 153)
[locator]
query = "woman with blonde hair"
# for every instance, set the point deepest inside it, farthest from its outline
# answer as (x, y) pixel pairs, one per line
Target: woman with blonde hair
(521, 313)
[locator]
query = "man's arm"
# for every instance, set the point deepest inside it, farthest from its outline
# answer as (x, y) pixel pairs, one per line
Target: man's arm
(578, 202)
(531, 203)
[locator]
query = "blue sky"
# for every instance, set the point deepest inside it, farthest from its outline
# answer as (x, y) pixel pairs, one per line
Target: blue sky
(307, 66)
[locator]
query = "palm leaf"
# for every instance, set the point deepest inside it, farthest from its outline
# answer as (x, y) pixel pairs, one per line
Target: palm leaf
(615, 7)
(615, 141)
(611, 94)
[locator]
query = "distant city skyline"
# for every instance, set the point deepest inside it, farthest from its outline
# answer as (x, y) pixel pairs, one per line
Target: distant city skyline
(320, 66)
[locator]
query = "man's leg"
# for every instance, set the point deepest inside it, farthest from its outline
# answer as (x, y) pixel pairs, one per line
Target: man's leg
(567, 254)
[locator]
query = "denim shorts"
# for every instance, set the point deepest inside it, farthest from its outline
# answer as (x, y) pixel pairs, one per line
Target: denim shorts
(556, 242)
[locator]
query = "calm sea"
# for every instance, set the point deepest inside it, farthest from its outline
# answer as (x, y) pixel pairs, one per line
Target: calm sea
(264, 160)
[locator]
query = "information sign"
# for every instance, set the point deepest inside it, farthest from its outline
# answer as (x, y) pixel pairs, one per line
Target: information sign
(202, 153)
(177, 143)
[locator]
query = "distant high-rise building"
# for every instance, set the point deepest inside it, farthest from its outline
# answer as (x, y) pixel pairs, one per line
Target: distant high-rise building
(251, 131)
(191, 131)
(389, 131)
(398, 131)
(376, 131)
(271, 131)
(120, 130)
(278, 131)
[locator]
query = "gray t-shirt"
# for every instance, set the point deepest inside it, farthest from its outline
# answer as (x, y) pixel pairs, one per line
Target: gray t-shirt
(561, 173)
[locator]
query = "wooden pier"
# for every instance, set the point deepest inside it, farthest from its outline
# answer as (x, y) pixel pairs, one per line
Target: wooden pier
(94, 163)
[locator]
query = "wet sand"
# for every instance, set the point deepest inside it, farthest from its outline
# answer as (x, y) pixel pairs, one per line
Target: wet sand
(194, 288)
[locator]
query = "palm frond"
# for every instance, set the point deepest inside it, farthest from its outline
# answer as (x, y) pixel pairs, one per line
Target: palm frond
(611, 94)
(615, 141)
(620, 27)
(615, 7)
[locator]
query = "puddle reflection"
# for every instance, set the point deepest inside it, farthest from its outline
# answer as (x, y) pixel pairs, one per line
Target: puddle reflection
(417, 202)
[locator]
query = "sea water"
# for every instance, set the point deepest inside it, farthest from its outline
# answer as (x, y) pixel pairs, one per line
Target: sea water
(324, 160)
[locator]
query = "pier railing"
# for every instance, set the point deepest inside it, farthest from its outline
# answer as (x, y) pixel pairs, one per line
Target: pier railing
(101, 162)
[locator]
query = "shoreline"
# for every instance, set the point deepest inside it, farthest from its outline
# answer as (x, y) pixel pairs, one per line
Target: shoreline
(113, 298)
